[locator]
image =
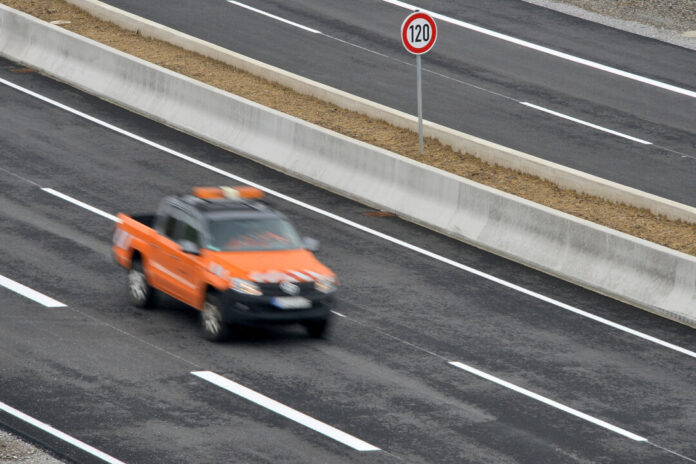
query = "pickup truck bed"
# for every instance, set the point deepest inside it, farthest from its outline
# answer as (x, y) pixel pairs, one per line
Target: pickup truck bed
(145, 219)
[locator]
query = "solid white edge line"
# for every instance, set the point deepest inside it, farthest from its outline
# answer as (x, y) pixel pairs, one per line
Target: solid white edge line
(277, 18)
(548, 51)
(548, 401)
(585, 123)
(81, 204)
(58, 434)
(285, 411)
(355, 225)
(338, 314)
(30, 293)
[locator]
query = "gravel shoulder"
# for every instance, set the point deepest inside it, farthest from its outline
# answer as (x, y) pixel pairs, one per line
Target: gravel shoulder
(672, 21)
(14, 450)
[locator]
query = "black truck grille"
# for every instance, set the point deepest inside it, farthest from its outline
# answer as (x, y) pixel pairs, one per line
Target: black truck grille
(275, 290)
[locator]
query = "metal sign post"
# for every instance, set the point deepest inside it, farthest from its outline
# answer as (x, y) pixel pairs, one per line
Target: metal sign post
(420, 104)
(418, 34)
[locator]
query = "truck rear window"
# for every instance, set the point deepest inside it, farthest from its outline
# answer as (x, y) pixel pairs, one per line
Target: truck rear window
(253, 235)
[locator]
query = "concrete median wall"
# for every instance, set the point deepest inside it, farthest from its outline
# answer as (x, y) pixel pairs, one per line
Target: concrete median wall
(629, 269)
(493, 153)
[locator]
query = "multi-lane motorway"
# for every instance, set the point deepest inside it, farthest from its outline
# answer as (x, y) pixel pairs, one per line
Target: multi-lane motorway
(600, 100)
(439, 353)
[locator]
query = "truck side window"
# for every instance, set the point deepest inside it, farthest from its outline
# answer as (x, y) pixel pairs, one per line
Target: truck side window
(170, 227)
(191, 234)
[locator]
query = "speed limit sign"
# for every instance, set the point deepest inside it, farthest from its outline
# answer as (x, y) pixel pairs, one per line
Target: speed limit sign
(418, 33)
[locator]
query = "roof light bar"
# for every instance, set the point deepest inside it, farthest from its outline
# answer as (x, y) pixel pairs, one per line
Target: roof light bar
(219, 193)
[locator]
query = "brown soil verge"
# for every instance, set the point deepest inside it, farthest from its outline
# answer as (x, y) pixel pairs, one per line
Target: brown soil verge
(638, 222)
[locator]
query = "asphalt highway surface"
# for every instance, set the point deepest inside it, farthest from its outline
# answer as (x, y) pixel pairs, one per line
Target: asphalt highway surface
(426, 362)
(587, 96)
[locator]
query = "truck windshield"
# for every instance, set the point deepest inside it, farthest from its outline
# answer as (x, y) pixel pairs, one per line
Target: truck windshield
(253, 235)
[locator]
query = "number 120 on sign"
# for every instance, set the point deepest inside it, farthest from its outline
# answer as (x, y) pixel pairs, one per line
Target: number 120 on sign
(420, 33)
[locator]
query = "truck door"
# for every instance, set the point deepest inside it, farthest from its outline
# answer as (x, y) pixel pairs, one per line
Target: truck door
(188, 266)
(164, 262)
(178, 273)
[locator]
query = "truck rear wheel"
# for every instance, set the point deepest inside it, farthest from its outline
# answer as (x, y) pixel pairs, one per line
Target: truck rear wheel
(142, 295)
(213, 327)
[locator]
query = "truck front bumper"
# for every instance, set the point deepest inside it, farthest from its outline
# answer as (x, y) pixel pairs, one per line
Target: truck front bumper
(246, 309)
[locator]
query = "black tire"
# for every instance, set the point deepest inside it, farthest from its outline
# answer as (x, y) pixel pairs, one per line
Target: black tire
(142, 295)
(213, 328)
(317, 329)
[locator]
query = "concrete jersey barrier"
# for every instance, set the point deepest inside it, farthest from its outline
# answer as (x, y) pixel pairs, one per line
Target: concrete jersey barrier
(490, 152)
(633, 270)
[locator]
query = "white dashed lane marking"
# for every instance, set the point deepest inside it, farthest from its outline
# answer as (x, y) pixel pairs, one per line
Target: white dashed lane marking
(29, 293)
(285, 411)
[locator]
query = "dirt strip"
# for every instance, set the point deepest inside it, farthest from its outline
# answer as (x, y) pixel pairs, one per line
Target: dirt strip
(638, 222)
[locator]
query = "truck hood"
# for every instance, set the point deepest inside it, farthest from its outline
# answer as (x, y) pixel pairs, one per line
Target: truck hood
(272, 266)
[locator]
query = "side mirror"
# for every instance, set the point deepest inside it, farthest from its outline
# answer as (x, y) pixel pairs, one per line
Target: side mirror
(187, 246)
(311, 244)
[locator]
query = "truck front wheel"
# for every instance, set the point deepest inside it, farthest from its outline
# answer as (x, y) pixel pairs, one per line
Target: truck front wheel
(213, 327)
(142, 295)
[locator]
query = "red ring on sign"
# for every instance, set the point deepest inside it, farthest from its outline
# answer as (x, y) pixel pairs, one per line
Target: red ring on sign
(404, 28)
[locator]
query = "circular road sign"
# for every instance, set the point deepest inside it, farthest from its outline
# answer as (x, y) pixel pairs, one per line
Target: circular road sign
(418, 33)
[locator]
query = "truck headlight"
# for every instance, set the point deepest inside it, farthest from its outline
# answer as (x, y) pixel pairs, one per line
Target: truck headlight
(326, 284)
(245, 286)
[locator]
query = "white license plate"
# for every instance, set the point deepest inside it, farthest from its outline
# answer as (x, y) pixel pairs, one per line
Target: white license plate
(291, 302)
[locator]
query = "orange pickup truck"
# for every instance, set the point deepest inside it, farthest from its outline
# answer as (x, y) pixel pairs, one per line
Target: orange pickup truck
(226, 252)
